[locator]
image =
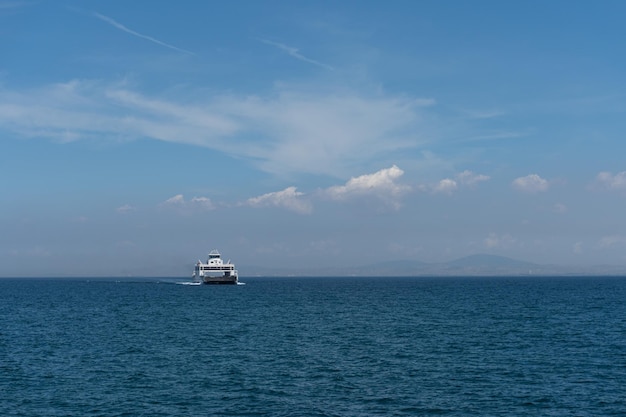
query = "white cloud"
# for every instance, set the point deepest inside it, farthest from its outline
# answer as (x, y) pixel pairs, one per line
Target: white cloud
(325, 134)
(446, 186)
(532, 183)
(381, 184)
(470, 178)
(287, 131)
(611, 241)
(560, 208)
(126, 208)
(179, 203)
(202, 202)
(499, 241)
(289, 198)
(449, 185)
(177, 200)
(612, 182)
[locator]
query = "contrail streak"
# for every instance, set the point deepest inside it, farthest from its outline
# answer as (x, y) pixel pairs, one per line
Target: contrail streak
(139, 35)
(294, 53)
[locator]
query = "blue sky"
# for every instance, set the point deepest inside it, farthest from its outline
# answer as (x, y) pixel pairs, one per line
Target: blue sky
(137, 136)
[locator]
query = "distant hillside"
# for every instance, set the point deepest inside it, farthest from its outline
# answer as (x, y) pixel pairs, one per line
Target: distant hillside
(483, 264)
(473, 265)
(381, 269)
(484, 260)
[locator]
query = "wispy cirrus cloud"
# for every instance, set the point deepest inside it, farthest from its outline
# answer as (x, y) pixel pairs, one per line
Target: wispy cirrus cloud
(295, 52)
(289, 198)
(286, 131)
(121, 27)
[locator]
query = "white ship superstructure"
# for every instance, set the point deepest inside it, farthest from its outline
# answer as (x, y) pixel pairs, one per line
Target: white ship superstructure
(215, 271)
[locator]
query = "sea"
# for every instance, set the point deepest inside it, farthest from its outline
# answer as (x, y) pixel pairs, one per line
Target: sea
(445, 346)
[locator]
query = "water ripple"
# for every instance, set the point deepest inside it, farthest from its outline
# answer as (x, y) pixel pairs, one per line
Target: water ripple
(315, 347)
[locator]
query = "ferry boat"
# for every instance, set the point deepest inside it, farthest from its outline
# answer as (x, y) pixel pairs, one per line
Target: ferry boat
(215, 271)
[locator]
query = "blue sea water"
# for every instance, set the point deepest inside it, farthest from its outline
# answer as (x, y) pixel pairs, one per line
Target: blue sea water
(314, 347)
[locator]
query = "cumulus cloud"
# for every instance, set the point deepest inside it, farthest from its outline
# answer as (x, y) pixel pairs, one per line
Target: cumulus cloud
(470, 178)
(532, 183)
(382, 184)
(289, 130)
(612, 182)
(202, 202)
(289, 198)
(177, 200)
(448, 185)
(179, 203)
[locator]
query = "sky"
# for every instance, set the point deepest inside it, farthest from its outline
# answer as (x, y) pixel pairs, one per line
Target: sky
(135, 137)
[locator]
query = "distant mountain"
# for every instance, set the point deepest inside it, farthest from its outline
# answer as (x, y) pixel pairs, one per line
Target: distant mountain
(480, 264)
(483, 264)
(473, 265)
(484, 260)
(403, 267)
